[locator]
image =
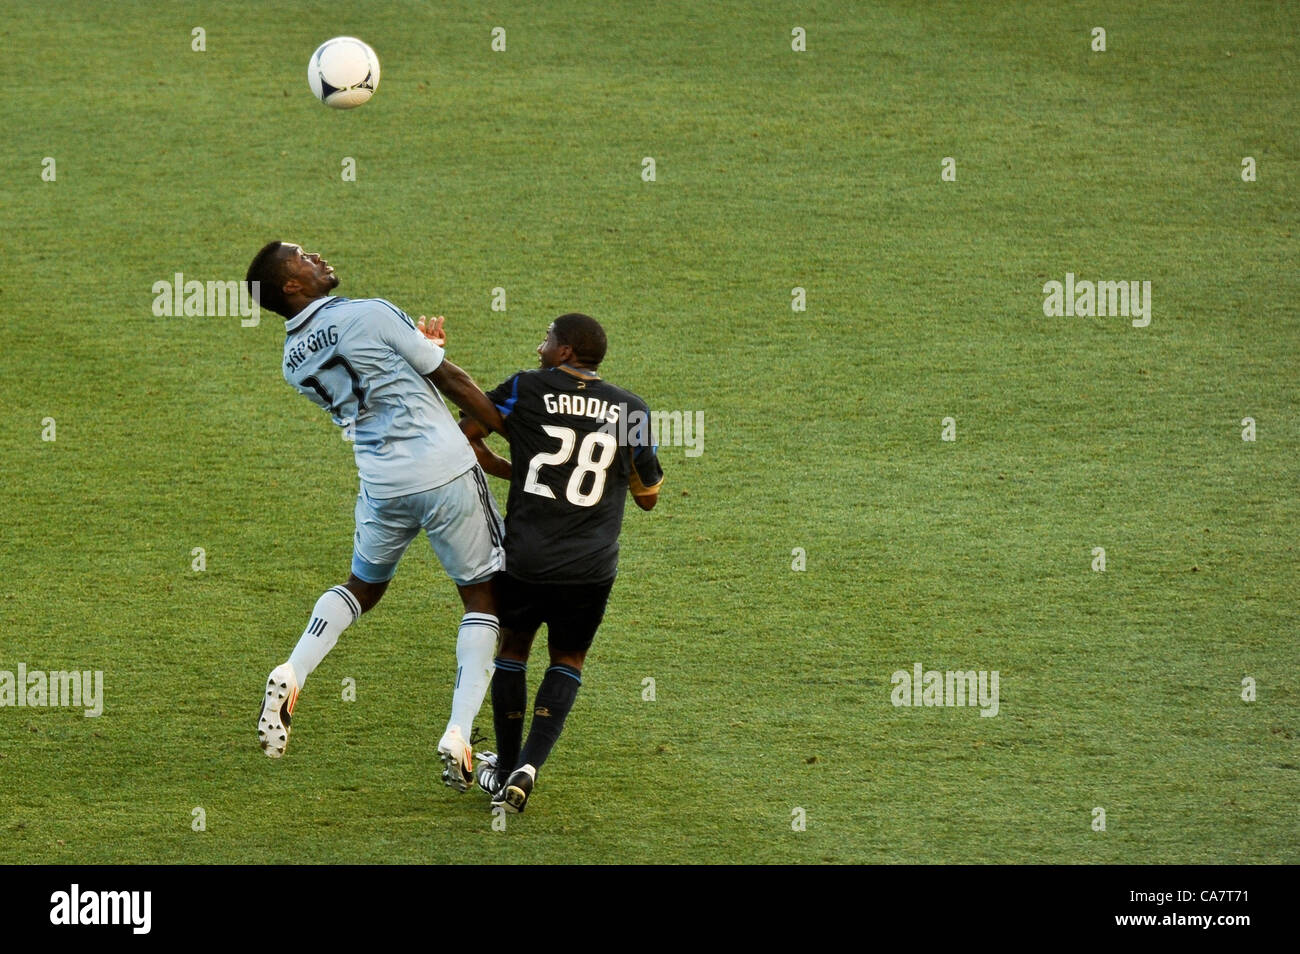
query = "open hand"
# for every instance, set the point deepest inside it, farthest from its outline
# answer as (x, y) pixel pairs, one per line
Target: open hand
(432, 329)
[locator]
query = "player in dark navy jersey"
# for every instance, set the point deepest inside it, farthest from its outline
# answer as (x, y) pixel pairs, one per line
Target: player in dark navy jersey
(578, 447)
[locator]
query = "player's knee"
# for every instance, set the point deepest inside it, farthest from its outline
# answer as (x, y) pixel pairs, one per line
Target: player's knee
(515, 645)
(367, 594)
(477, 598)
(569, 657)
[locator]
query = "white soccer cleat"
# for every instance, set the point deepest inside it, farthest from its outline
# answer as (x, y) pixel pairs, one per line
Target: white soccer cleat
(457, 759)
(277, 707)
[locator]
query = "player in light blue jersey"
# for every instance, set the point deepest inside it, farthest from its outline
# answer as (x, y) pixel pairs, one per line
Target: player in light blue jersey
(381, 376)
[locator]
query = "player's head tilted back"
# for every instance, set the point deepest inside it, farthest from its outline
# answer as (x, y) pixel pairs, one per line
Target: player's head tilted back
(288, 278)
(573, 339)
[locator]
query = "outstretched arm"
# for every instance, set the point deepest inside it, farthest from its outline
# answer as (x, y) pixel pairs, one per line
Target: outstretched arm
(466, 395)
(488, 459)
(457, 384)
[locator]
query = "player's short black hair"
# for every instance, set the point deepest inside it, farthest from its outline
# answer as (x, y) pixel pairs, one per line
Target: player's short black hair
(267, 269)
(584, 335)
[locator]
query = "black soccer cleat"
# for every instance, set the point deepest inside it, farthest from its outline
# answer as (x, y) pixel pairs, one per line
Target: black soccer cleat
(513, 796)
(485, 773)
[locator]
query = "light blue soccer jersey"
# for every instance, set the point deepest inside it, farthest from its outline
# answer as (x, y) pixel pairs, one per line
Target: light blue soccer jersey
(364, 361)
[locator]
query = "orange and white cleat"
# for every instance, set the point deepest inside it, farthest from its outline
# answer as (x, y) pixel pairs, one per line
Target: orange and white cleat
(457, 759)
(277, 707)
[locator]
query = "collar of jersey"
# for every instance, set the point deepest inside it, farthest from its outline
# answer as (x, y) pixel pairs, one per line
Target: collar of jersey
(297, 321)
(582, 373)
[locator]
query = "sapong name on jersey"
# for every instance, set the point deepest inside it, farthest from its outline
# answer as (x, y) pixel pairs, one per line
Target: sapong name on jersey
(310, 345)
(581, 406)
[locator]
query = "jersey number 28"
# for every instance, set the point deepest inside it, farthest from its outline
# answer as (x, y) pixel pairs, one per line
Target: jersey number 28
(595, 455)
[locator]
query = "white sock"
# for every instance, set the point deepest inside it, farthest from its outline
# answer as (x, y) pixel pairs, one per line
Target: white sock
(335, 611)
(476, 647)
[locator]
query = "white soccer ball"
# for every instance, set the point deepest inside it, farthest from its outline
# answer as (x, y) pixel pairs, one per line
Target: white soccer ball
(343, 72)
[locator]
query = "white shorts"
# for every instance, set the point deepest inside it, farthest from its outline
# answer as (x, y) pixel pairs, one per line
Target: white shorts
(460, 517)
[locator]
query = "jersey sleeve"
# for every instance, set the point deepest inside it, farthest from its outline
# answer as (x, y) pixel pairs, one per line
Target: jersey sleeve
(646, 474)
(506, 394)
(396, 329)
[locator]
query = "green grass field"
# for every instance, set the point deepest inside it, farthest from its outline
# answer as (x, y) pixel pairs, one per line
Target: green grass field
(775, 169)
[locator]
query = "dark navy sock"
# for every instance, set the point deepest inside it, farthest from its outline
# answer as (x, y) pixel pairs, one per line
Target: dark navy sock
(555, 698)
(509, 697)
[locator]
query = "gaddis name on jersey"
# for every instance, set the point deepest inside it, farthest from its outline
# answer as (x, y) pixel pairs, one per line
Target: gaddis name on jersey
(578, 405)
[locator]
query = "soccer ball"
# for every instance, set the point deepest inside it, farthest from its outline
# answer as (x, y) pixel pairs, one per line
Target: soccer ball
(343, 72)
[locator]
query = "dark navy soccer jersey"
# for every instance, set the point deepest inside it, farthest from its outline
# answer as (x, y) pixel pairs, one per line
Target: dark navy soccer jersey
(578, 444)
